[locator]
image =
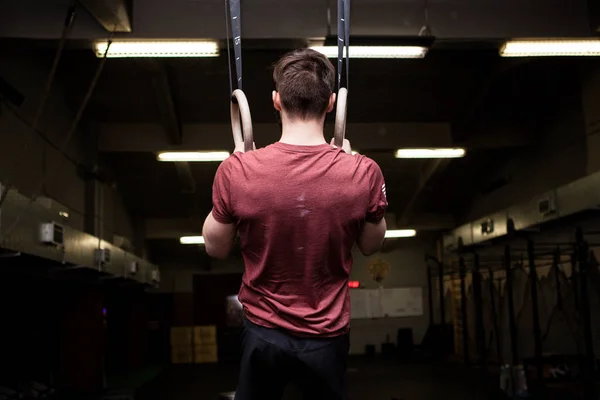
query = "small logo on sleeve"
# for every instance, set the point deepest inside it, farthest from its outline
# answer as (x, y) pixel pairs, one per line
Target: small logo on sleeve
(384, 190)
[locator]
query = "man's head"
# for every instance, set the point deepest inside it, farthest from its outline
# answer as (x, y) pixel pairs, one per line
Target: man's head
(304, 83)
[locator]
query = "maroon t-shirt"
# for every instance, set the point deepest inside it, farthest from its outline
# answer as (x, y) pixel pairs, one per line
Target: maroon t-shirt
(299, 211)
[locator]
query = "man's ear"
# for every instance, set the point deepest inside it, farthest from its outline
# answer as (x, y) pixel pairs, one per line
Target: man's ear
(331, 102)
(276, 101)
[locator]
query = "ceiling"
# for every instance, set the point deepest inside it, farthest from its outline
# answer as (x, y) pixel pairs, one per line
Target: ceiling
(479, 96)
(462, 93)
(292, 19)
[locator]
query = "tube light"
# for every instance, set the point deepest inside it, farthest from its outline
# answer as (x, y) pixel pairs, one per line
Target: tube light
(191, 240)
(192, 156)
(430, 153)
(400, 233)
(375, 51)
(551, 47)
(199, 48)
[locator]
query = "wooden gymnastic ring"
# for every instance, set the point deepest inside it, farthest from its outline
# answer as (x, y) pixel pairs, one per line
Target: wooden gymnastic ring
(241, 120)
(339, 131)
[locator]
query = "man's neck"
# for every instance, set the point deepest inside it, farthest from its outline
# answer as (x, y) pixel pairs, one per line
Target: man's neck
(302, 133)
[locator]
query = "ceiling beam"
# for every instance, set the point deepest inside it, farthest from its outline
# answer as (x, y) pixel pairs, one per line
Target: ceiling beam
(365, 137)
(136, 137)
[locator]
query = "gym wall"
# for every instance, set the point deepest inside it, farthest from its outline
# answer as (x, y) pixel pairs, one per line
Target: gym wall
(40, 158)
(561, 157)
(407, 269)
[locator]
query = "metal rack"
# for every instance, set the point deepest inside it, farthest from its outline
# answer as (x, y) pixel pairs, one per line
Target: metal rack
(469, 261)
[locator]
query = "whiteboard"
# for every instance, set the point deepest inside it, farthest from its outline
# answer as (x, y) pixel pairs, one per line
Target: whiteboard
(359, 304)
(402, 302)
(381, 303)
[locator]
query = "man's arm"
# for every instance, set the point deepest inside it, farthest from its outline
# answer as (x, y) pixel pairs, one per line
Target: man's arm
(219, 228)
(218, 237)
(372, 237)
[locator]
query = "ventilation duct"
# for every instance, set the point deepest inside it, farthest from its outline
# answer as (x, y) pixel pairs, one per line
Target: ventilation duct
(576, 197)
(39, 234)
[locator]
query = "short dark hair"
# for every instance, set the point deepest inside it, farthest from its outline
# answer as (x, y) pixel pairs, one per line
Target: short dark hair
(305, 80)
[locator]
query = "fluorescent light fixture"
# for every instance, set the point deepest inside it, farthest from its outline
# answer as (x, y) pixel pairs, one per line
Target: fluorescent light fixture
(551, 47)
(192, 156)
(179, 48)
(400, 233)
(191, 240)
(375, 51)
(430, 153)
(63, 214)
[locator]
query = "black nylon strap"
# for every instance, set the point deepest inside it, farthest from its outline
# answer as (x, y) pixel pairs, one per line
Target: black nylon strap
(227, 29)
(236, 31)
(347, 41)
(343, 39)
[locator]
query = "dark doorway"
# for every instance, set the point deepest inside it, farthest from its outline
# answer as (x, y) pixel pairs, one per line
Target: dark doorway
(210, 294)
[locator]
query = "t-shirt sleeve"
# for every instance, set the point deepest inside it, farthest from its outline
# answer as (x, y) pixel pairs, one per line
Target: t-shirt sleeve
(377, 195)
(221, 194)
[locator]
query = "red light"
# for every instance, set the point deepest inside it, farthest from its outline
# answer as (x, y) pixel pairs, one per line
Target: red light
(354, 284)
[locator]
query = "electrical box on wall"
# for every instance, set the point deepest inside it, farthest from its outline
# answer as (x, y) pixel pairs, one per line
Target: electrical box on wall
(487, 227)
(132, 268)
(155, 276)
(52, 234)
(102, 256)
(547, 206)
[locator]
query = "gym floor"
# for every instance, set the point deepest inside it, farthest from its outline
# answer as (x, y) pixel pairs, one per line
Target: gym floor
(373, 379)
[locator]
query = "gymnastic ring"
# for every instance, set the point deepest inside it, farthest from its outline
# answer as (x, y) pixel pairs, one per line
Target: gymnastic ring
(241, 120)
(339, 131)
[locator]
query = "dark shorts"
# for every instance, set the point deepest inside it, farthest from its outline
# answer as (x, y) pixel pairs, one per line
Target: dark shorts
(272, 358)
